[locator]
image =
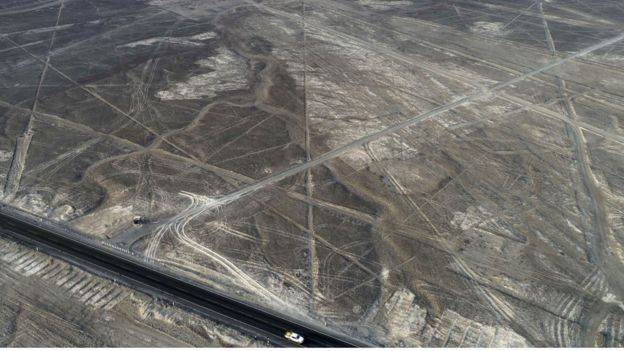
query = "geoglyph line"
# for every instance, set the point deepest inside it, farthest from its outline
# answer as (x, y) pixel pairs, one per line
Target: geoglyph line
(485, 93)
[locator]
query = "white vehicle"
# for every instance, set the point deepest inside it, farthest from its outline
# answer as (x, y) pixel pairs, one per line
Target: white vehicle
(294, 337)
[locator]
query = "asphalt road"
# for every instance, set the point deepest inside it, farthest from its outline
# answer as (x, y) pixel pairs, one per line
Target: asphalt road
(138, 274)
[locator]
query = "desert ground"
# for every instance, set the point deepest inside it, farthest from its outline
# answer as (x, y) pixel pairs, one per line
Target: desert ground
(409, 172)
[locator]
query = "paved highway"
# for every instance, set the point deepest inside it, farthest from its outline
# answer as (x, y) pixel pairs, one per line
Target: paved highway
(133, 271)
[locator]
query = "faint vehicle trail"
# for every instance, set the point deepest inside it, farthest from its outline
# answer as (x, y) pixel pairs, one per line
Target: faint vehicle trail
(200, 205)
(496, 304)
(139, 98)
(22, 145)
(597, 240)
